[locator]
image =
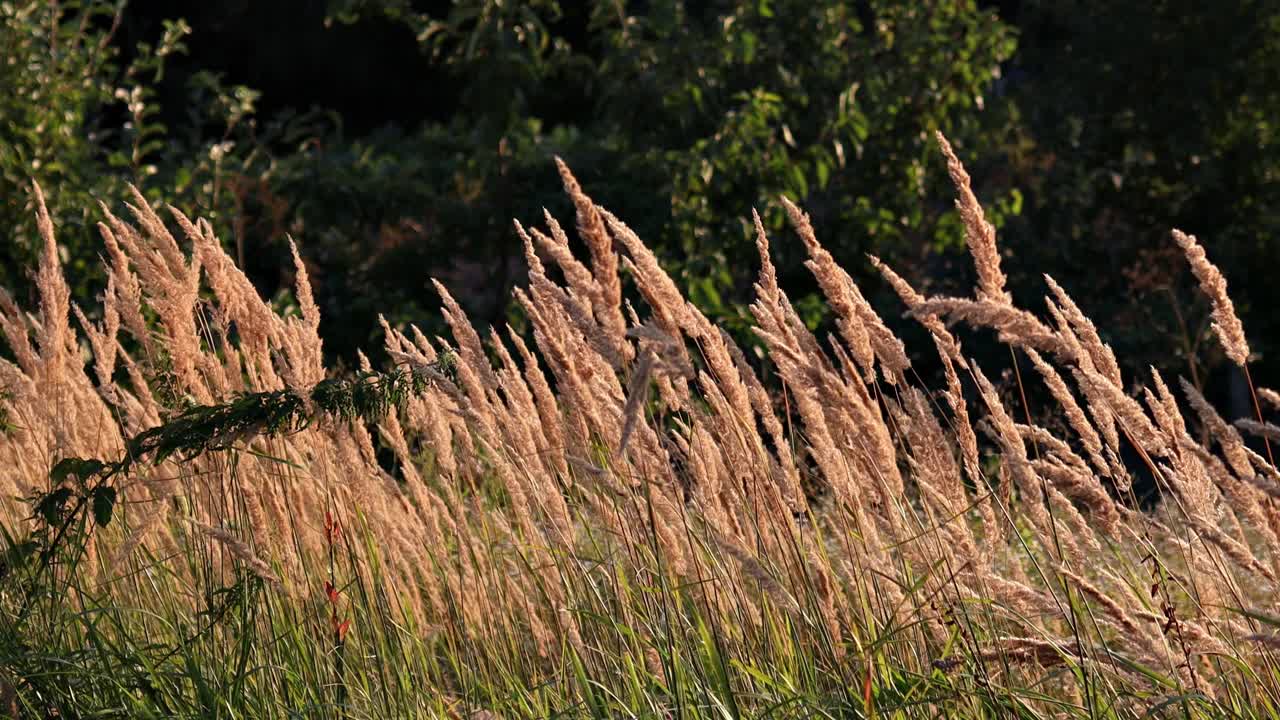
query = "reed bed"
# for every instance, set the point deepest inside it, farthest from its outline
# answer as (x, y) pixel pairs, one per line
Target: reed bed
(620, 512)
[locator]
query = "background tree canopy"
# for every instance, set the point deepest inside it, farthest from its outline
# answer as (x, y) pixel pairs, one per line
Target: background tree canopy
(397, 140)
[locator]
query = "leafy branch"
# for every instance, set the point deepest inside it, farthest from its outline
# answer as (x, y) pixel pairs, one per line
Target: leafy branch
(83, 489)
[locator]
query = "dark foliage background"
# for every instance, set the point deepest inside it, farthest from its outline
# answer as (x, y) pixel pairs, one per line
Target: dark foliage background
(396, 141)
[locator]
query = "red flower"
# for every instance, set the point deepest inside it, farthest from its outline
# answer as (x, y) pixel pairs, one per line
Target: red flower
(340, 628)
(331, 527)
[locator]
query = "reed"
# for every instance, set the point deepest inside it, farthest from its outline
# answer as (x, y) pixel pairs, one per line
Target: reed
(622, 516)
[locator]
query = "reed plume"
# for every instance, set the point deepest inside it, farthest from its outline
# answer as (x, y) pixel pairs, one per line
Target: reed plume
(1226, 325)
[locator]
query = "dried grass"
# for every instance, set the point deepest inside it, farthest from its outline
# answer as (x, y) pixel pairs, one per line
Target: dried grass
(816, 488)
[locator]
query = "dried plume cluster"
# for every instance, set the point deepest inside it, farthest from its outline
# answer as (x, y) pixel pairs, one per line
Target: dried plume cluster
(835, 495)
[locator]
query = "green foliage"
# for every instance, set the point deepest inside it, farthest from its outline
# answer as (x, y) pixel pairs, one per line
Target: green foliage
(1147, 117)
(831, 104)
(81, 116)
(66, 92)
(716, 110)
(377, 216)
(77, 484)
(201, 429)
(713, 109)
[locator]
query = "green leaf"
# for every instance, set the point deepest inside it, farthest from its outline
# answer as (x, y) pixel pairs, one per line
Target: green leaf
(104, 505)
(80, 468)
(17, 555)
(52, 505)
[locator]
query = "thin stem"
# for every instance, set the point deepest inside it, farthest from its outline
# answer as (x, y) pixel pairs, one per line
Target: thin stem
(1257, 409)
